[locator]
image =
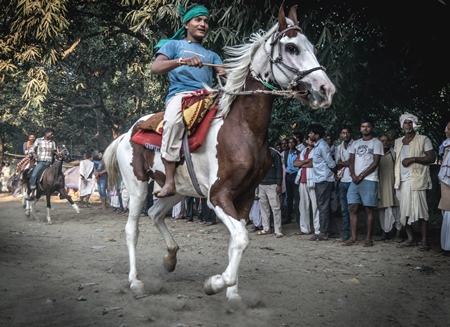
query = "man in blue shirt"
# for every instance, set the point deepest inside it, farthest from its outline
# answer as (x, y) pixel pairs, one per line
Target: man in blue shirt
(182, 58)
(291, 188)
(324, 169)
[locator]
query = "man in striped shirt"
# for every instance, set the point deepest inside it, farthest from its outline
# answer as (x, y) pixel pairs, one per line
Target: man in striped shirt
(43, 150)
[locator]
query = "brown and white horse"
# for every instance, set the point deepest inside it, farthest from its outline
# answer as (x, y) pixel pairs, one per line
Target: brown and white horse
(235, 156)
(52, 181)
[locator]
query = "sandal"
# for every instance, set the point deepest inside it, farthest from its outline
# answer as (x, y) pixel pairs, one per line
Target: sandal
(405, 245)
(424, 248)
(350, 242)
(315, 237)
(368, 243)
(279, 235)
(321, 238)
(263, 232)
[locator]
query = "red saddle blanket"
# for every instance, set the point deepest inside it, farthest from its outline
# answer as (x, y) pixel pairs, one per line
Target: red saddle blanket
(198, 110)
(152, 140)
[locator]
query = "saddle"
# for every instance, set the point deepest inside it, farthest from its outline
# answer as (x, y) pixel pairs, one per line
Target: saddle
(198, 108)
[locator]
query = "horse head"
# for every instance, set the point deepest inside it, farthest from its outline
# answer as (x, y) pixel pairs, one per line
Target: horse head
(63, 154)
(287, 59)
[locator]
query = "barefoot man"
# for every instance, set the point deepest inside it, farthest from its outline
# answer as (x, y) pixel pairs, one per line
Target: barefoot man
(182, 57)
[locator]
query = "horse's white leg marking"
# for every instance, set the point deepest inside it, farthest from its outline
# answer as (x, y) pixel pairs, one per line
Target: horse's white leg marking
(27, 207)
(76, 208)
(24, 201)
(158, 213)
(33, 209)
(137, 197)
(238, 243)
(49, 219)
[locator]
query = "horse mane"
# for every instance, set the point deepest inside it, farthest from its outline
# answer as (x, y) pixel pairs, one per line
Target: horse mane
(237, 66)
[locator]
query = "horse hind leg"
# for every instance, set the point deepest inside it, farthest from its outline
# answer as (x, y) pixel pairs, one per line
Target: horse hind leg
(238, 243)
(24, 199)
(158, 213)
(137, 196)
(32, 208)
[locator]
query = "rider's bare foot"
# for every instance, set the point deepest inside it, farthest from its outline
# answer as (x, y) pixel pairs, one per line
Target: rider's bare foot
(165, 191)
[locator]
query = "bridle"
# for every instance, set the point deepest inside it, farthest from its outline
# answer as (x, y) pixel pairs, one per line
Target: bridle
(278, 62)
(63, 155)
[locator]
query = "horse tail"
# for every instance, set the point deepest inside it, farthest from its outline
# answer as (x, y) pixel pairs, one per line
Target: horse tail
(111, 163)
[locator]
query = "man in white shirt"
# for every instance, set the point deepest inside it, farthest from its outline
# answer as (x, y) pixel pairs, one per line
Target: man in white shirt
(343, 175)
(365, 155)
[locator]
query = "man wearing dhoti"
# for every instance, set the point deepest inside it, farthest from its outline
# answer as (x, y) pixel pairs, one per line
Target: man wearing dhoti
(388, 205)
(412, 179)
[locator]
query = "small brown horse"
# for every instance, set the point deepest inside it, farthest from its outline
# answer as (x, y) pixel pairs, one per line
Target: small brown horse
(51, 180)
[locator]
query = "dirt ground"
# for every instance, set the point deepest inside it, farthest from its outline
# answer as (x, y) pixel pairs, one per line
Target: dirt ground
(74, 273)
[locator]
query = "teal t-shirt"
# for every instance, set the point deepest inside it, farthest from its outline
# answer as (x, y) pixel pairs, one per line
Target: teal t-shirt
(185, 78)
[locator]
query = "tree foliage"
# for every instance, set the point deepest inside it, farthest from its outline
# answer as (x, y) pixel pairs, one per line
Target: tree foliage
(82, 67)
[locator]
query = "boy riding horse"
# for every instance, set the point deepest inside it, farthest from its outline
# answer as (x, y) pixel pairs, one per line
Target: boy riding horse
(176, 57)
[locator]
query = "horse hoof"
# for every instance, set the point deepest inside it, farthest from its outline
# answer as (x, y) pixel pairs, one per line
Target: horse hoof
(169, 266)
(208, 286)
(137, 287)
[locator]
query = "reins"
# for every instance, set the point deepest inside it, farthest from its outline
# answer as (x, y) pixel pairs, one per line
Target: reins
(282, 66)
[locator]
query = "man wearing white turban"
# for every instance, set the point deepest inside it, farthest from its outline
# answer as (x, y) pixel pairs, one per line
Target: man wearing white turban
(412, 179)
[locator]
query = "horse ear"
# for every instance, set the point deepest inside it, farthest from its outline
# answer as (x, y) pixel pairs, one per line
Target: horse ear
(293, 15)
(281, 18)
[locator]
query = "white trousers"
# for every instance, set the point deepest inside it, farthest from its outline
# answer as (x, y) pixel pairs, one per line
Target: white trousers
(445, 230)
(173, 129)
(268, 198)
(307, 203)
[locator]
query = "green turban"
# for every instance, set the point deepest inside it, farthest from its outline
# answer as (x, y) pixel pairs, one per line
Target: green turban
(186, 16)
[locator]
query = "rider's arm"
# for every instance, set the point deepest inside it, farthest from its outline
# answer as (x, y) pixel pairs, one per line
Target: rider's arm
(163, 65)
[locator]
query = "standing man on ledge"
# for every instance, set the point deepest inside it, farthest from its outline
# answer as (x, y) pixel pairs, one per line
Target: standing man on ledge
(182, 58)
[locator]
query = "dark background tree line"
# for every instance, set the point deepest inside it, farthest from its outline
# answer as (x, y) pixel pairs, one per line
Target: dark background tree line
(82, 66)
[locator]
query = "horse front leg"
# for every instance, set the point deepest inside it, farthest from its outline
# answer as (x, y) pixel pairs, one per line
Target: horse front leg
(66, 196)
(49, 207)
(27, 208)
(238, 243)
(25, 203)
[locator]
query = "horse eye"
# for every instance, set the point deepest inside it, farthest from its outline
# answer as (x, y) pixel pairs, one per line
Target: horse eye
(292, 49)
